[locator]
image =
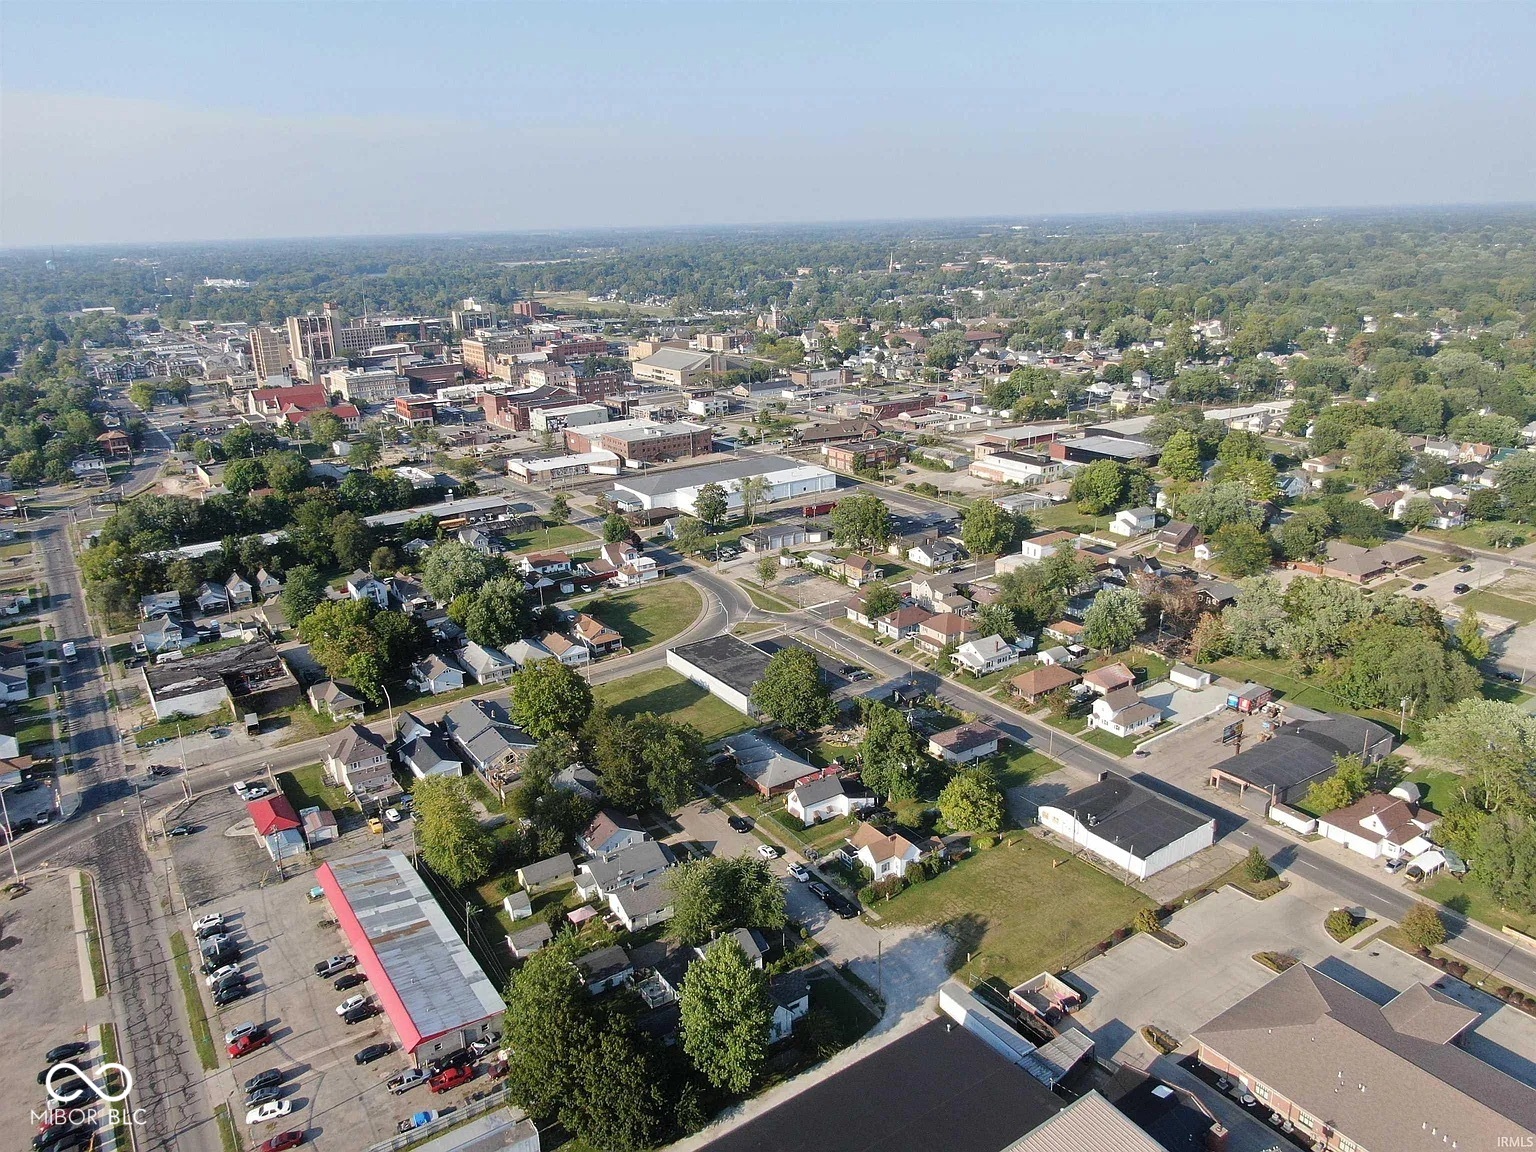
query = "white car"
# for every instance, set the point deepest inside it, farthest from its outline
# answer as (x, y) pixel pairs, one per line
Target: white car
(256, 792)
(799, 873)
(767, 851)
(271, 1110)
(350, 1003)
(238, 1031)
(405, 1081)
(211, 921)
(219, 973)
(392, 815)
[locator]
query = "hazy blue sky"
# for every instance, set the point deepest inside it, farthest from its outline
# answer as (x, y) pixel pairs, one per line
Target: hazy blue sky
(141, 121)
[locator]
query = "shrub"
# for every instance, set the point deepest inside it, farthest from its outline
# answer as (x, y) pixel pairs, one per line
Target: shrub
(1161, 1042)
(1256, 867)
(1340, 923)
(1423, 926)
(1147, 921)
(885, 889)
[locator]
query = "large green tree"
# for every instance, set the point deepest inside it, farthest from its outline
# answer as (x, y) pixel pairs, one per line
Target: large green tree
(1495, 744)
(891, 755)
(1114, 619)
(452, 840)
(972, 802)
(451, 569)
(543, 1030)
(495, 613)
(547, 697)
(861, 521)
(1181, 457)
(717, 894)
(792, 691)
(711, 505)
(1241, 550)
(988, 530)
(725, 1016)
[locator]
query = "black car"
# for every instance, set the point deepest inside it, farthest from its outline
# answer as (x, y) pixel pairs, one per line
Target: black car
(62, 1135)
(1418, 588)
(350, 980)
(450, 1060)
(162, 770)
(371, 1053)
(230, 995)
(821, 892)
(360, 1013)
(66, 1051)
(1512, 677)
(1464, 568)
(233, 980)
(263, 1094)
(739, 823)
(180, 830)
(212, 931)
(1462, 589)
(846, 909)
(263, 1080)
(213, 961)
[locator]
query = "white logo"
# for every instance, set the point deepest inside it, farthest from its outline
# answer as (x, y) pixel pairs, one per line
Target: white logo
(100, 1090)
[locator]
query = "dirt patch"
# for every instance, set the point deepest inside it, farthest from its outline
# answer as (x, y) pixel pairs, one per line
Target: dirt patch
(1516, 583)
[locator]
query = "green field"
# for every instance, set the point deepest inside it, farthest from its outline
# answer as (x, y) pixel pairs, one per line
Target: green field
(543, 539)
(1492, 604)
(1018, 909)
(1473, 900)
(306, 788)
(651, 614)
(1437, 788)
(665, 693)
(1289, 684)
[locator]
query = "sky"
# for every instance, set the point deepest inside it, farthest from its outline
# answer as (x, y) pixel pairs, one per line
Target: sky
(220, 119)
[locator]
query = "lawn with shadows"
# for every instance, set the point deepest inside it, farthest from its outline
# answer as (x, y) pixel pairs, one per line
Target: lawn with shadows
(665, 693)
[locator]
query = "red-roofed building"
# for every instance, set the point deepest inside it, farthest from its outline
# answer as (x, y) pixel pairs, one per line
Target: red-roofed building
(272, 402)
(277, 827)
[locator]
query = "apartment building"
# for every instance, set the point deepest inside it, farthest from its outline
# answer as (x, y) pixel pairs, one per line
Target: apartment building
(480, 351)
(367, 385)
(642, 440)
(269, 352)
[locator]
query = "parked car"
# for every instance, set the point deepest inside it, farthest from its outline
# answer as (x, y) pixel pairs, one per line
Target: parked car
(217, 958)
(404, 1081)
(207, 926)
(257, 792)
(350, 1003)
(373, 1052)
(66, 1051)
(1462, 589)
(335, 964)
(360, 1013)
(375, 825)
(1464, 568)
(799, 873)
(224, 997)
(1418, 587)
(235, 979)
(421, 1119)
(450, 1060)
(214, 978)
(768, 851)
(249, 1043)
(180, 830)
(739, 823)
(451, 1078)
(271, 1110)
(1396, 865)
(240, 1030)
(283, 1141)
(1512, 677)
(392, 815)
(350, 980)
(263, 1080)
(263, 1094)
(162, 770)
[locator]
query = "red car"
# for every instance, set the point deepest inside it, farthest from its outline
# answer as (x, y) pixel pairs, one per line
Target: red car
(283, 1141)
(451, 1078)
(245, 1045)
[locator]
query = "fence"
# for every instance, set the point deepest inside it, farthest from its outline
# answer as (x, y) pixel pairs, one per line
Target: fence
(497, 1099)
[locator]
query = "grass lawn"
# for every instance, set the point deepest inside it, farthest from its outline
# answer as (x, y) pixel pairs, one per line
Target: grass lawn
(650, 614)
(853, 1019)
(1078, 726)
(29, 635)
(1432, 565)
(1019, 766)
(543, 539)
(1308, 691)
(167, 728)
(1066, 518)
(1018, 909)
(197, 1015)
(1437, 788)
(93, 935)
(666, 693)
(301, 722)
(1472, 899)
(306, 788)
(1492, 604)
(764, 599)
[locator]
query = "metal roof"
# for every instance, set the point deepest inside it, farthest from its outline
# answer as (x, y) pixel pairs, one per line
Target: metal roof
(671, 480)
(424, 976)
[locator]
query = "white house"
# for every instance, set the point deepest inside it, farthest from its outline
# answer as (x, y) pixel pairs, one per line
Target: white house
(366, 586)
(608, 833)
(825, 798)
(884, 853)
(160, 603)
(985, 656)
(486, 665)
(267, 584)
(1133, 522)
(791, 997)
(436, 675)
(1124, 713)
(238, 590)
(1129, 826)
(1380, 825)
(566, 650)
(965, 744)
(934, 554)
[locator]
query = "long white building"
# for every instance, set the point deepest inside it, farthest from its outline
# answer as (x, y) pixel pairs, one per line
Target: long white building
(678, 488)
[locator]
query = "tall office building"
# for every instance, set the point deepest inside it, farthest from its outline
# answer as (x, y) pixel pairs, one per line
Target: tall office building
(269, 352)
(312, 337)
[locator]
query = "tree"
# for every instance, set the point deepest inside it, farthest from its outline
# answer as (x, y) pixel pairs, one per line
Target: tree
(1495, 743)
(303, 589)
(241, 475)
(365, 454)
(326, 427)
(617, 1097)
(891, 755)
(1378, 454)
(767, 569)
(690, 534)
(646, 760)
(1213, 506)
(1351, 780)
(972, 802)
(382, 561)
(494, 614)
(452, 569)
(725, 1016)
(880, 598)
(1258, 477)
(718, 894)
(288, 472)
(559, 509)
(1241, 550)
(1419, 512)
(753, 490)
(615, 528)
(542, 1029)
(1181, 457)
(1423, 926)
(1304, 533)
(1470, 639)
(711, 505)
(1393, 662)
(1114, 619)
(1256, 867)
(791, 690)
(861, 521)
(452, 841)
(997, 619)
(25, 468)
(547, 697)
(1100, 487)
(987, 530)
(351, 541)
(1321, 617)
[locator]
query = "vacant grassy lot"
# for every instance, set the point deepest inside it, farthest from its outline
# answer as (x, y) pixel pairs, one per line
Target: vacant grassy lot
(1473, 900)
(1018, 766)
(667, 694)
(306, 788)
(650, 614)
(1018, 909)
(1493, 604)
(543, 539)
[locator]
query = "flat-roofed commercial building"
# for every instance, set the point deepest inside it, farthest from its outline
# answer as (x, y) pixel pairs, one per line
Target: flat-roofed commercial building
(436, 997)
(677, 367)
(678, 488)
(643, 440)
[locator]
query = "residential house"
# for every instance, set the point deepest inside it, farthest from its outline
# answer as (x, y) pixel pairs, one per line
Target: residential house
(211, 598)
(884, 853)
(330, 699)
(1358, 565)
(1057, 656)
(766, 764)
(357, 761)
(525, 943)
(366, 586)
(267, 585)
(164, 634)
(1132, 522)
(524, 652)
(160, 603)
(938, 632)
(965, 744)
(595, 636)
(277, 827)
(319, 826)
(1128, 825)
(545, 564)
(1037, 683)
(929, 589)
(1037, 547)
(14, 684)
(1067, 631)
(1177, 536)
(492, 745)
(1316, 467)
(1109, 678)
(547, 872)
(485, 665)
(859, 570)
(429, 754)
(238, 590)
(1380, 825)
(436, 675)
(605, 969)
(643, 905)
(749, 940)
(1124, 713)
(984, 656)
(826, 798)
(633, 864)
(580, 779)
(609, 832)
(790, 994)
(566, 650)
(903, 623)
(1349, 1074)
(935, 554)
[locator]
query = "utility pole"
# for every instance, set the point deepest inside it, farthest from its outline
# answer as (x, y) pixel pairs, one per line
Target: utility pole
(10, 840)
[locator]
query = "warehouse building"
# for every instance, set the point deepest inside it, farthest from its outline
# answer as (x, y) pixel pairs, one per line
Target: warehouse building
(1131, 827)
(552, 468)
(786, 479)
(725, 666)
(645, 441)
(436, 997)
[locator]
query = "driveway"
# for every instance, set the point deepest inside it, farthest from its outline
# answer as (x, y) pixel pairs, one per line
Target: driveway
(906, 964)
(1181, 705)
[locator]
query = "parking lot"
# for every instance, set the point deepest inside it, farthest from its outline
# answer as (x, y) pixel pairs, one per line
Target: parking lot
(282, 935)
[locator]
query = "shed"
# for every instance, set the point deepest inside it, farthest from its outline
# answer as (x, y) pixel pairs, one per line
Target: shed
(517, 905)
(1186, 676)
(543, 873)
